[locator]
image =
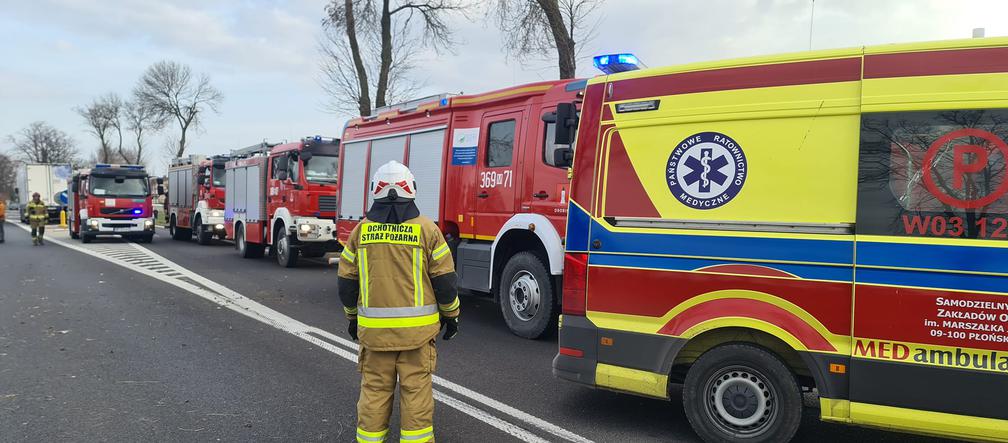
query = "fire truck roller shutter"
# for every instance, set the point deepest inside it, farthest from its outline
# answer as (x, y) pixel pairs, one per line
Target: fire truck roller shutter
(353, 183)
(382, 151)
(229, 193)
(426, 162)
(241, 192)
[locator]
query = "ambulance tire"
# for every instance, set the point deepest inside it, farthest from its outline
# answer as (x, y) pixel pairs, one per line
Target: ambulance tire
(244, 248)
(526, 296)
(286, 255)
(765, 400)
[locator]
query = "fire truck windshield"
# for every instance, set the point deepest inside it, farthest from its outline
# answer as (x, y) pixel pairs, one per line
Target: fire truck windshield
(321, 168)
(218, 176)
(122, 187)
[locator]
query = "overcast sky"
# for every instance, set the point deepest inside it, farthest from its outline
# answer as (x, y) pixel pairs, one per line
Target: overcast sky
(59, 54)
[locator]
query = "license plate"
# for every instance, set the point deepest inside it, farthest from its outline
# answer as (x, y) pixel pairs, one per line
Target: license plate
(120, 229)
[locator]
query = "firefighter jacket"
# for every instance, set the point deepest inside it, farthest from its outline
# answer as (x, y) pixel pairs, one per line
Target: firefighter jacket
(37, 211)
(397, 279)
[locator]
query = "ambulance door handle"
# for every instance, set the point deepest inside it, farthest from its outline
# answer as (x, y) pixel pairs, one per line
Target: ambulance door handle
(541, 194)
(483, 194)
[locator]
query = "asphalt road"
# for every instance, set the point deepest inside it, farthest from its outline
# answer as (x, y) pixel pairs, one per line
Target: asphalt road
(95, 351)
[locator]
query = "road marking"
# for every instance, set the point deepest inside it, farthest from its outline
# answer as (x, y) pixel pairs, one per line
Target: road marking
(144, 261)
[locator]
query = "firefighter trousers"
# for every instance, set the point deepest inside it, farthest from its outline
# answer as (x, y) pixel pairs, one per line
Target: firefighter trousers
(37, 230)
(379, 370)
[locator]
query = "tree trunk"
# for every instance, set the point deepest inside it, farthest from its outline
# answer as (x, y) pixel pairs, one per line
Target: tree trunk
(386, 54)
(564, 44)
(139, 140)
(122, 154)
(364, 102)
(181, 142)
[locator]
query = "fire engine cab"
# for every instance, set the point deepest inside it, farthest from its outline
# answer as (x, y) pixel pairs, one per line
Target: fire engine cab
(111, 200)
(195, 202)
(486, 173)
(832, 222)
(283, 196)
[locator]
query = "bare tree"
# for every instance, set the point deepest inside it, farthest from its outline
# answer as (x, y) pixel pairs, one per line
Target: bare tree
(543, 26)
(41, 143)
(370, 44)
(141, 119)
(6, 177)
(102, 116)
(170, 91)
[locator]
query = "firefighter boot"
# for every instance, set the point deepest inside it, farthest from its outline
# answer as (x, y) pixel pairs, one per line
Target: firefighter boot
(416, 400)
(378, 381)
(41, 235)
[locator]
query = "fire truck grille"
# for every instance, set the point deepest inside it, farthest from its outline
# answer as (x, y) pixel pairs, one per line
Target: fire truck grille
(117, 225)
(113, 211)
(327, 203)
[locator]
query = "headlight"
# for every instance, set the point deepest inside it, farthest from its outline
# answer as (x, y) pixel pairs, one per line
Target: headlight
(93, 223)
(148, 223)
(306, 228)
(219, 227)
(216, 213)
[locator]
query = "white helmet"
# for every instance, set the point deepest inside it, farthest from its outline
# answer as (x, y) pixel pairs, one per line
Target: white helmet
(393, 176)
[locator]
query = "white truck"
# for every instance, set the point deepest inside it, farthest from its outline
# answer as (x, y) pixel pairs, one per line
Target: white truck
(49, 180)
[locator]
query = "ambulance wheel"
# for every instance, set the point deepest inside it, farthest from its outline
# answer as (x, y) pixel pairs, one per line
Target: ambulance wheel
(244, 249)
(285, 254)
(742, 393)
(526, 296)
(203, 234)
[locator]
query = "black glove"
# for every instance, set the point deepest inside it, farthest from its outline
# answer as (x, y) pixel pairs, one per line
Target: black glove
(450, 325)
(352, 329)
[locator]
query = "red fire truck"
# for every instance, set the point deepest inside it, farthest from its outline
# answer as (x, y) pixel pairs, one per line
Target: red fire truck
(486, 173)
(196, 198)
(283, 196)
(111, 200)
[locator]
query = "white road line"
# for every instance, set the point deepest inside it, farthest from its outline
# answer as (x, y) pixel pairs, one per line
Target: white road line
(221, 295)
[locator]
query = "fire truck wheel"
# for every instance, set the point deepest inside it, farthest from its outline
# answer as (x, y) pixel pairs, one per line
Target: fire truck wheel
(244, 249)
(148, 238)
(526, 296)
(203, 235)
(742, 393)
(86, 238)
(285, 254)
(74, 235)
(178, 233)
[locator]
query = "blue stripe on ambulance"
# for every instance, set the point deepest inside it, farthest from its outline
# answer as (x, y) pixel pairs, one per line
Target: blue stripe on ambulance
(937, 257)
(933, 279)
(843, 274)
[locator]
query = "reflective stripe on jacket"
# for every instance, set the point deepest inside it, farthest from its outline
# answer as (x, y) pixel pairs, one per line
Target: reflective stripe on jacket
(37, 211)
(394, 264)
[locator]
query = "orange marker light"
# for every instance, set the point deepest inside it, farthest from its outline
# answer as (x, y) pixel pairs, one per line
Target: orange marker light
(606, 341)
(838, 368)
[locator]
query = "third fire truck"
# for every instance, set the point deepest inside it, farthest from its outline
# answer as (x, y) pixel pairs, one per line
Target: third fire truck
(283, 196)
(196, 198)
(488, 175)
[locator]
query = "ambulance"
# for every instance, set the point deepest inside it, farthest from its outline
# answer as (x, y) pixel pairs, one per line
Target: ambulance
(831, 221)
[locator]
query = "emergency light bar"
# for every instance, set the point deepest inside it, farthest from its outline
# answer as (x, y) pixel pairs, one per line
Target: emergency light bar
(106, 165)
(613, 63)
(318, 139)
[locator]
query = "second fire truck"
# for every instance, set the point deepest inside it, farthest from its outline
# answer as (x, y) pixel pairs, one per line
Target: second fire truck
(488, 175)
(111, 200)
(196, 198)
(284, 197)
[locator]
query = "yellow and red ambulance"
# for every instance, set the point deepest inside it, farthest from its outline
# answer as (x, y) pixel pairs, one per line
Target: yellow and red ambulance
(831, 220)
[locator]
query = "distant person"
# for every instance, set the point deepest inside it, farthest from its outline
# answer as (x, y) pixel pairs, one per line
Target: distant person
(397, 283)
(38, 214)
(3, 215)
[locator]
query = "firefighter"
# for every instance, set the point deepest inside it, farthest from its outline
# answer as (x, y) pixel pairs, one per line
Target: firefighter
(397, 282)
(3, 215)
(37, 216)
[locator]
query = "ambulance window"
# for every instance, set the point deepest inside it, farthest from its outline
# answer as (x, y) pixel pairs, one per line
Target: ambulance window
(548, 146)
(934, 174)
(500, 143)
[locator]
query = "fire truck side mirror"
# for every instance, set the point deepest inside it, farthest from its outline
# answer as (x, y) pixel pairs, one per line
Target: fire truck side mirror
(281, 174)
(306, 155)
(160, 190)
(74, 186)
(159, 180)
(566, 123)
(563, 157)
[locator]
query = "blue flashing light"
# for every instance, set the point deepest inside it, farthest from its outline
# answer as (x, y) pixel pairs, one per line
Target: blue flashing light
(318, 139)
(137, 211)
(444, 102)
(613, 63)
(106, 165)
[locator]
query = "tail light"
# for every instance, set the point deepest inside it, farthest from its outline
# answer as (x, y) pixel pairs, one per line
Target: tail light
(575, 284)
